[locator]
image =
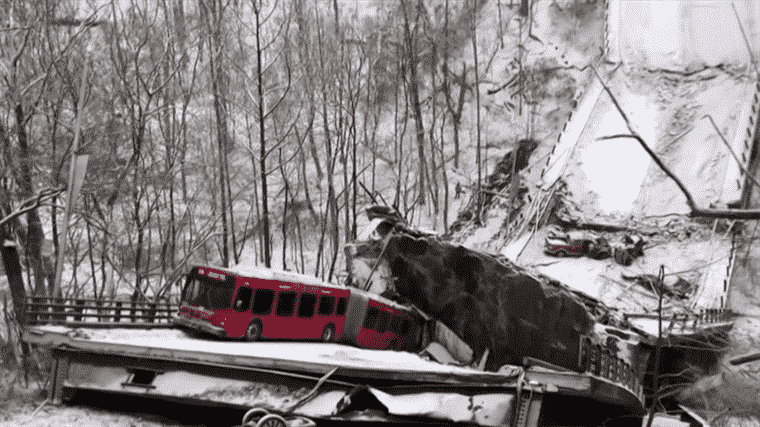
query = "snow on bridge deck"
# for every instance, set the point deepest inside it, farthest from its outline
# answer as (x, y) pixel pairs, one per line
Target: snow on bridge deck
(306, 357)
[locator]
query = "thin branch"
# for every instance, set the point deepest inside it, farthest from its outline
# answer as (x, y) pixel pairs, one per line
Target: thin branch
(33, 203)
(696, 211)
(730, 150)
(744, 35)
(656, 159)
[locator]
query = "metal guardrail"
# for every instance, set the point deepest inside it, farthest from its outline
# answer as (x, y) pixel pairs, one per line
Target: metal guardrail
(705, 317)
(602, 362)
(90, 312)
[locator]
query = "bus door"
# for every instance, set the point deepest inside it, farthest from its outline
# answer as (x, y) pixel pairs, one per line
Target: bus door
(262, 307)
(283, 323)
(240, 316)
(331, 314)
(306, 322)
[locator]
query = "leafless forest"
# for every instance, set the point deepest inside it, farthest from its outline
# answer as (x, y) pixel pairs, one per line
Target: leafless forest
(216, 126)
(222, 130)
(219, 127)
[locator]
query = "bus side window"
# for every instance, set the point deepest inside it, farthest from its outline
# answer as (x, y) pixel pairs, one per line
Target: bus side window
(286, 304)
(187, 292)
(382, 323)
(342, 303)
(220, 297)
(243, 299)
(370, 321)
(262, 302)
(194, 294)
(396, 325)
(307, 305)
(326, 305)
(404, 327)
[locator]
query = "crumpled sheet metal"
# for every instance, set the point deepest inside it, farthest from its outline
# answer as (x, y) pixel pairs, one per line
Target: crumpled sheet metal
(285, 396)
(278, 397)
(483, 409)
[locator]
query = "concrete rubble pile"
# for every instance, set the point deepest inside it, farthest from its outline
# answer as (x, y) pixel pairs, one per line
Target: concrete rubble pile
(504, 312)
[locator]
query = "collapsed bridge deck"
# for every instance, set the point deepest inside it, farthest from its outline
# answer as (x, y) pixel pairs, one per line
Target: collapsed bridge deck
(319, 380)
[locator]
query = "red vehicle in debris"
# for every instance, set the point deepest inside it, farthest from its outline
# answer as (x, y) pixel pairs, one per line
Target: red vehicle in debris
(255, 303)
(562, 244)
(576, 244)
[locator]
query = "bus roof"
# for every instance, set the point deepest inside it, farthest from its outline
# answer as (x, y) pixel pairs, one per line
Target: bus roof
(258, 272)
(381, 299)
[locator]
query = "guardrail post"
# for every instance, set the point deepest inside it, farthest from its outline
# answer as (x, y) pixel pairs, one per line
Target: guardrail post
(58, 307)
(133, 311)
(151, 314)
(166, 311)
(99, 309)
(79, 309)
(117, 312)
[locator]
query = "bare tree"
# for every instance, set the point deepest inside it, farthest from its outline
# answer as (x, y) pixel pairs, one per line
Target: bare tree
(22, 77)
(411, 36)
(213, 11)
(325, 74)
(473, 10)
(272, 83)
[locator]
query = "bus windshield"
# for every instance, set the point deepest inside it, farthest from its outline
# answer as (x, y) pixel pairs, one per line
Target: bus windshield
(208, 293)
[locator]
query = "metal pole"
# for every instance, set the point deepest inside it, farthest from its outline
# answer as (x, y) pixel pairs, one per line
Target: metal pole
(69, 197)
(658, 347)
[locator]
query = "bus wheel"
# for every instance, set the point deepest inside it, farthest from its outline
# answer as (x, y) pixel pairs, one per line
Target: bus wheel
(328, 333)
(253, 333)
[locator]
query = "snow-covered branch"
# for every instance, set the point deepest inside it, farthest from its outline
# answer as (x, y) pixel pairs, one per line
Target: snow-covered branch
(31, 204)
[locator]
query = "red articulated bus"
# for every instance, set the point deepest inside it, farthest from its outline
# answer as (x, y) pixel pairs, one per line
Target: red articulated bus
(254, 303)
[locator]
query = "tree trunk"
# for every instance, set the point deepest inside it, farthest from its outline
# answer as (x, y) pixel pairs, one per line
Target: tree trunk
(262, 146)
(477, 115)
(217, 84)
(11, 261)
(34, 233)
(433, 118)
(284, 211)
(411, 55)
